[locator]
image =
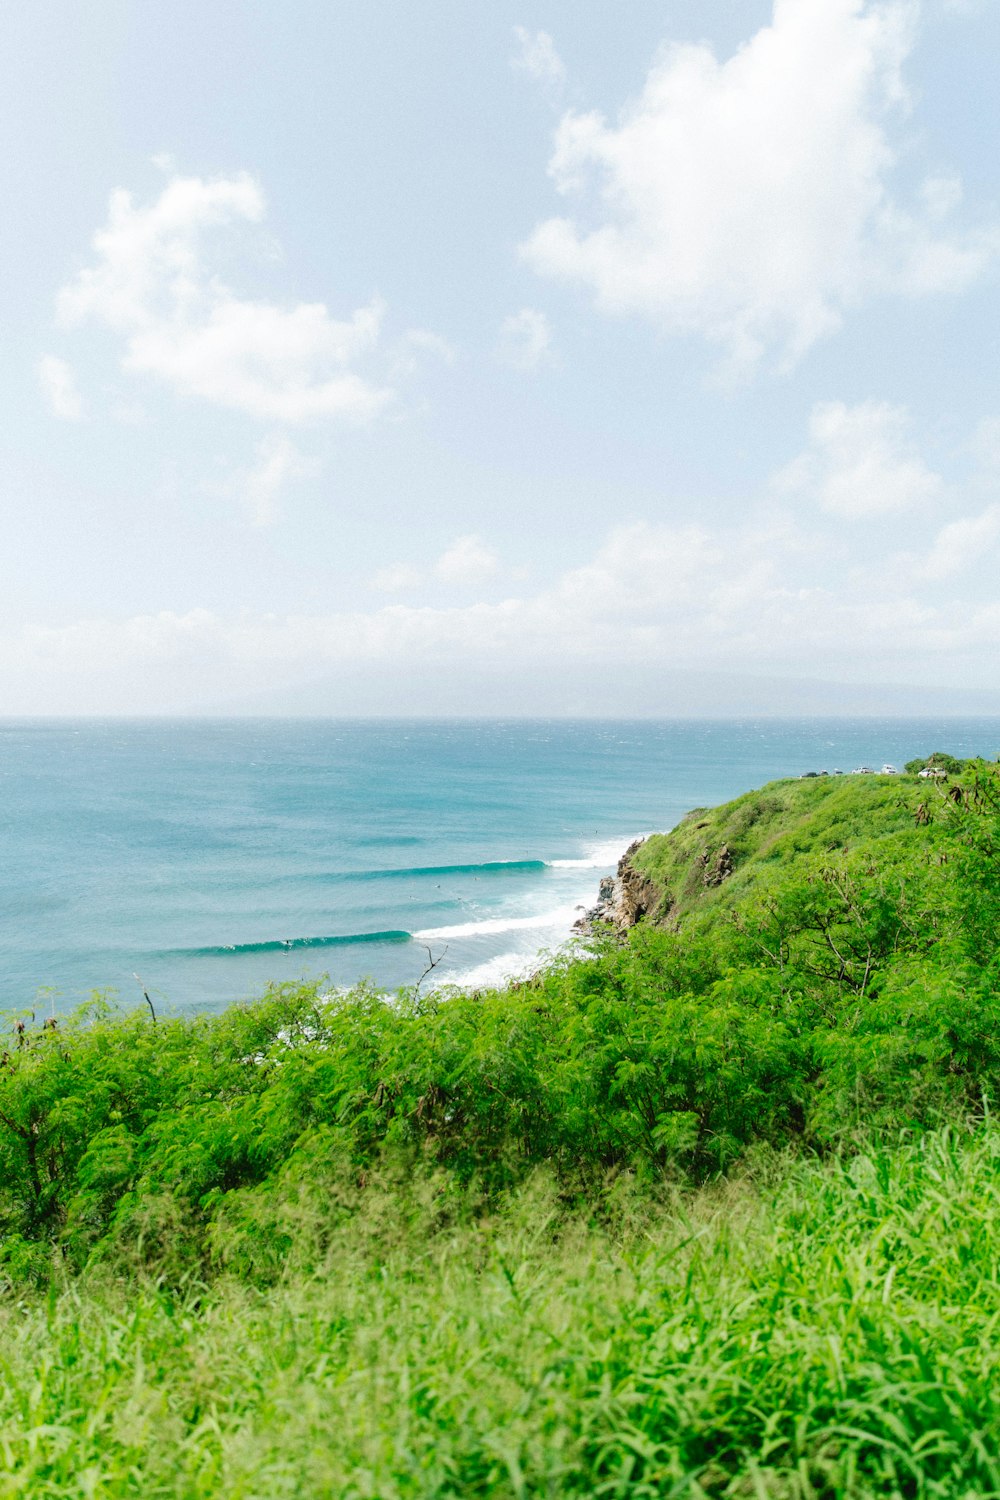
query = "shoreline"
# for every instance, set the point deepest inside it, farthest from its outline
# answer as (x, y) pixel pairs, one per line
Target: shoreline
(623, 899)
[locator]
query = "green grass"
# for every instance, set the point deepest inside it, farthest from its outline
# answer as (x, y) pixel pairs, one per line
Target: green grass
(765, 832)
(804, 1330)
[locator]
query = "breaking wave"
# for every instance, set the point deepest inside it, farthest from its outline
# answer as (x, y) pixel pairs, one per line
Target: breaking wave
(287, 945)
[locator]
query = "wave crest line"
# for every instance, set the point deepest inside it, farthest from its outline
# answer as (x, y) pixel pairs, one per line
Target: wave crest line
(286, 945)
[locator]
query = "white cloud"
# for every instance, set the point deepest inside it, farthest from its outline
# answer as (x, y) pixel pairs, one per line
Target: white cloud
(525, 339)
(464, 564)
(152, 283)
(859, 463)
(737, 598)
(59, 387)
(747, 200)
(782, 591)
(278, 461)
(731, 597)
(642, 568)
(537, 56)
(960, 544)
(467, 561)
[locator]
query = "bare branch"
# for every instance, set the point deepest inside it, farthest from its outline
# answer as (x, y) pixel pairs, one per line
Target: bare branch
(432, 963)
(145, 994)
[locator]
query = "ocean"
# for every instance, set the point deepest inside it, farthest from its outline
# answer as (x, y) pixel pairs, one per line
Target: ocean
(210, 857)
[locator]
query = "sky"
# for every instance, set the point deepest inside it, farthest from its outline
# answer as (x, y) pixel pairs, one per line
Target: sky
(520, 357)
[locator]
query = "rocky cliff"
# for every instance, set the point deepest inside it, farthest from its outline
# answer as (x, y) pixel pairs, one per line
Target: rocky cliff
(624, 898)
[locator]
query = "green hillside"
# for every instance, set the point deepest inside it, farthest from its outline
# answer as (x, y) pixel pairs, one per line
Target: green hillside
(716, 856)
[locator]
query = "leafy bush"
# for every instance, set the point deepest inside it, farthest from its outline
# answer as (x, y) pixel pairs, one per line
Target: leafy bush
(940, 760)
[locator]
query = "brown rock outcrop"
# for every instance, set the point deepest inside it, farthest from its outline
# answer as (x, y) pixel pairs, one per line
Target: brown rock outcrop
(624, 898)
(717, 870)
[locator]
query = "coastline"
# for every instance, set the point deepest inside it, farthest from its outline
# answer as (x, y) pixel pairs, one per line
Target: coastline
(216, 859)
(623, 899)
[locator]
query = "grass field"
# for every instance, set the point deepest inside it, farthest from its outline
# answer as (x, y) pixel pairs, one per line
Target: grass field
(803, 1329)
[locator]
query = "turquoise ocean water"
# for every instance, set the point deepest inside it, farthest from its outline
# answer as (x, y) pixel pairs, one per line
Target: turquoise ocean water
(210, 857)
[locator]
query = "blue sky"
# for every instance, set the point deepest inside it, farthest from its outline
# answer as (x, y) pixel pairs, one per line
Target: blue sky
(496, 358)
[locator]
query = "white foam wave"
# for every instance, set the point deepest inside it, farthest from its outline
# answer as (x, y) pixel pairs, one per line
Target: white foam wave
(495, 971)
(602, 856)
(560, 919)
